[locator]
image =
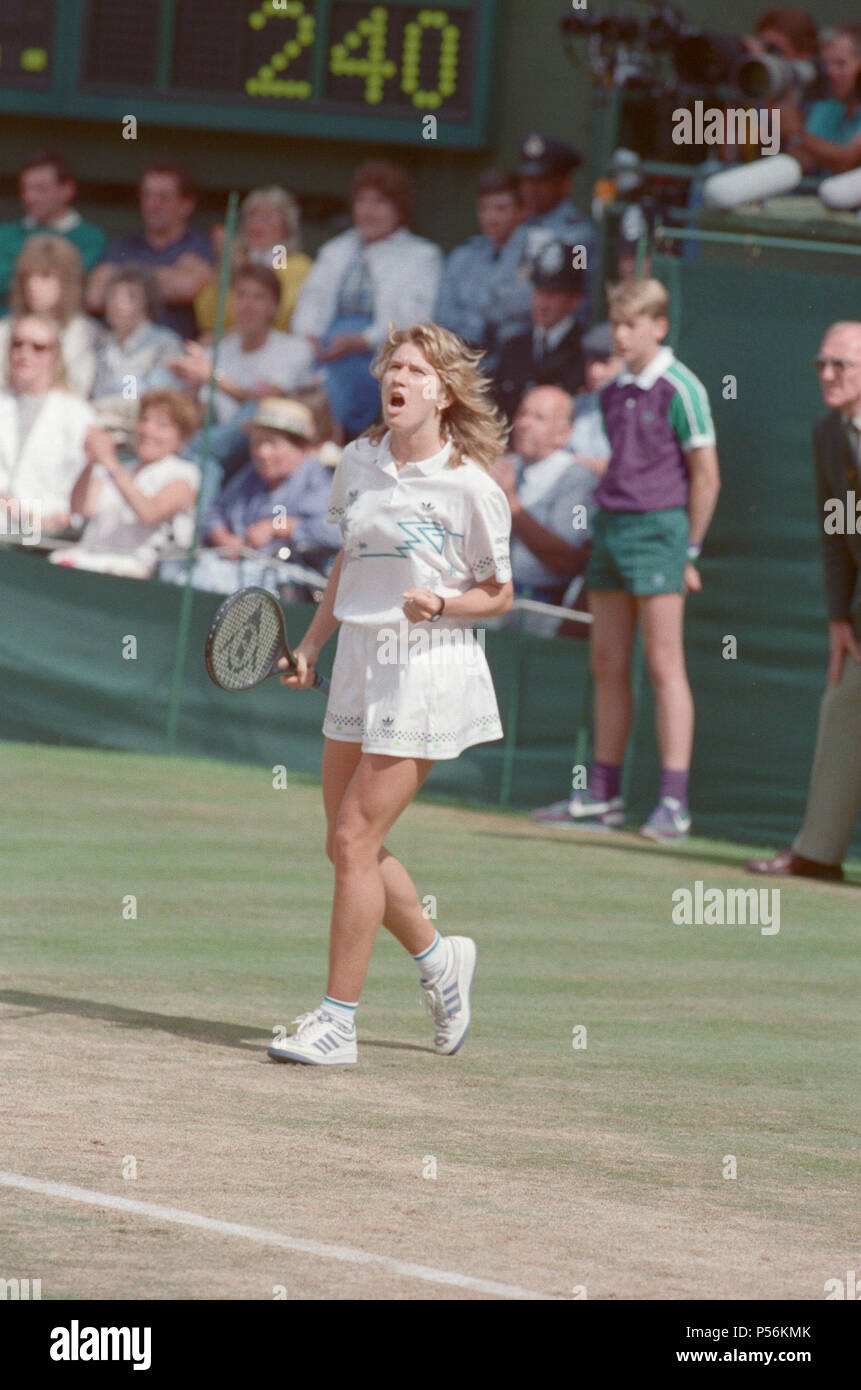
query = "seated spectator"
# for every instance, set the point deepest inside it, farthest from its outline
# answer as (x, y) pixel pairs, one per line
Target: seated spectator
(47, 191)
(550, 496)
(325, 429)
(375, 275)
(550, 352)
(544, 174)
(464, 298)
(42, 425)
(133, 515)
(269, 234)
(133, 356)
(278, 501)
(180, 257)
(588, 441)
(255, 360)
(49, 279)
(829, 139)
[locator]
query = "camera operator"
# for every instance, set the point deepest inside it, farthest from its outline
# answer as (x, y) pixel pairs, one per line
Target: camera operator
(829, 139)
(788, 32)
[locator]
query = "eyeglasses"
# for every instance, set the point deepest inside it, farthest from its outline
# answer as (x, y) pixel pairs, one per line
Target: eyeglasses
(31, 343)
(839, 364)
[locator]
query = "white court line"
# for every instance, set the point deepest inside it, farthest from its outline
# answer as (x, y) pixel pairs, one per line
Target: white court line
(344, 1253)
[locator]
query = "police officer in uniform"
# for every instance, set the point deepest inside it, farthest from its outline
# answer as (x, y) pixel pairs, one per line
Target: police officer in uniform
(474, 268)
(550, 352)
(544, 172)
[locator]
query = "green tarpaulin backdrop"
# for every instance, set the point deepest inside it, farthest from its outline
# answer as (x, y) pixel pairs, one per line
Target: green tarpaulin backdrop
(63, 676)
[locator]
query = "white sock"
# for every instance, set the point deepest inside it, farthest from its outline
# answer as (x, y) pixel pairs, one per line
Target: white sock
(339, 1012)
(434, 962)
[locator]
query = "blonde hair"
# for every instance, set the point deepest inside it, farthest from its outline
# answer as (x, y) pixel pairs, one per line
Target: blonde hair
(49, 254)
(472, 422)
(285, 204)
(60, 379)
(634, 297)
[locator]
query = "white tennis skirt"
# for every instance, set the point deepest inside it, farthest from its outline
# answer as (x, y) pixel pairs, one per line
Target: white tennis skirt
(412, 690)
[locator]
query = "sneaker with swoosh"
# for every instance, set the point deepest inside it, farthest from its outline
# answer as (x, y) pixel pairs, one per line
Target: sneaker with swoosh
(669, 822)
(583, 813)
(591, 813)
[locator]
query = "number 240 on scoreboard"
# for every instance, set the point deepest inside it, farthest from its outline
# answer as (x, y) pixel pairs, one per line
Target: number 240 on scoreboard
(350, 69)
(424, 59)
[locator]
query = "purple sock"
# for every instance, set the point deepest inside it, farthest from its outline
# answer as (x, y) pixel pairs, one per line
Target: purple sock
(674, 784)
(604, 781)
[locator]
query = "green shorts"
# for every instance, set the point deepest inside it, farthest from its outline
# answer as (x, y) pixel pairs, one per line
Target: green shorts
(642, 552)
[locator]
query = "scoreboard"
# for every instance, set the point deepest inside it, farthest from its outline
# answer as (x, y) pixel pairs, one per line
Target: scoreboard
(348, 69)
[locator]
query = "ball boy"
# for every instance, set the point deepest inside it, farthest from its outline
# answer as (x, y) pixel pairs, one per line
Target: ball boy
(656, 500)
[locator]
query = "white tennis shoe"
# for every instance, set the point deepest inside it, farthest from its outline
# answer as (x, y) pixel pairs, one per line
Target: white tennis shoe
(447, 999)
(318, 1040)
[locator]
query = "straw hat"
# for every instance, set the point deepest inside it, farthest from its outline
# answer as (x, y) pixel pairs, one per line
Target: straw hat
(280, 413)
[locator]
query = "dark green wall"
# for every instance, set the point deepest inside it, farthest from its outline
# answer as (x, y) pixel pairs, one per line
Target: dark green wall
(536, 88)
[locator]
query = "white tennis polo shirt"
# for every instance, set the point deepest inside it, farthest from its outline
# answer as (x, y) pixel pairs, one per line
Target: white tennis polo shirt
(423, 525)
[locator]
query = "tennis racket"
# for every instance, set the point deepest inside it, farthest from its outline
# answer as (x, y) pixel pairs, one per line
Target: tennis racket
(246, 641)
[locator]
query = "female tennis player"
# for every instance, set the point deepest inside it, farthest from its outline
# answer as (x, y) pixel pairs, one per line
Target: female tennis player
(425, 554)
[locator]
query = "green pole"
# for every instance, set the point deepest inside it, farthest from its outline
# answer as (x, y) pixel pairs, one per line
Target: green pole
(181, 650)
(510, 750)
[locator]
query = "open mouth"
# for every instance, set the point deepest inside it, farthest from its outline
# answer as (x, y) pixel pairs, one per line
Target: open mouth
(397, 400)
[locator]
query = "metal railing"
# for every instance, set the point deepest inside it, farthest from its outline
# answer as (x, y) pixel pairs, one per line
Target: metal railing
(749, 239)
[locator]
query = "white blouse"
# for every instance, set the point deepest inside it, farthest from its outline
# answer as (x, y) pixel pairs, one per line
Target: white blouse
(405, 272)
(114, 527)
(420, 525)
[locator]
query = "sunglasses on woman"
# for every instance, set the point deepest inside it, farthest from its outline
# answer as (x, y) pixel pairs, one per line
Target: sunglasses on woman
(32, 343)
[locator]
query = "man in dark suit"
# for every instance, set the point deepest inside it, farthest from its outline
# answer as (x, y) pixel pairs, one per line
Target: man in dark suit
(834, 798)
(549, 353)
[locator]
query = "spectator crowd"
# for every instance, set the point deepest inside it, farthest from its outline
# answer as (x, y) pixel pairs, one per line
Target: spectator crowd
(107, 362)
(107, 359)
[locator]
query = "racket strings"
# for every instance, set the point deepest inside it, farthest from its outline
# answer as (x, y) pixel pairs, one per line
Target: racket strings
(246, 644)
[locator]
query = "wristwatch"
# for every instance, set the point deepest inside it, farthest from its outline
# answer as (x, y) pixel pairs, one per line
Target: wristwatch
(436, 617)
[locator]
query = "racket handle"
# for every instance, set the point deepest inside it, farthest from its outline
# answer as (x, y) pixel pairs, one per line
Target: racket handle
(319, 682)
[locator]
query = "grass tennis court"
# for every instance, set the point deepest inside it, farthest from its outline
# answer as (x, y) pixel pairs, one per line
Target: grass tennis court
(555, 1167)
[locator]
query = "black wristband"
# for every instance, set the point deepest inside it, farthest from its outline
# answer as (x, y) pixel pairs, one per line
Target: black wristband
(436, 617)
